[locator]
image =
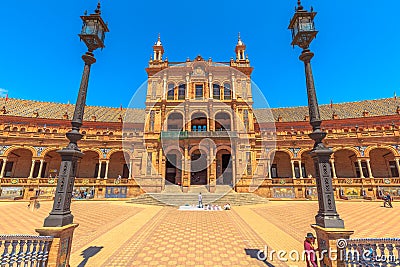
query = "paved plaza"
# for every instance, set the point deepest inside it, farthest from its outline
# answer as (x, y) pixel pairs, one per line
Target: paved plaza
(115, 233)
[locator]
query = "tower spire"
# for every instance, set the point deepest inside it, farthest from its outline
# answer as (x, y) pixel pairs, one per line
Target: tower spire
(158, 49)
(240, 49)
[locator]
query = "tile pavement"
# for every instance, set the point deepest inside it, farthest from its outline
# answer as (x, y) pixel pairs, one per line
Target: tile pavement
(133, 235)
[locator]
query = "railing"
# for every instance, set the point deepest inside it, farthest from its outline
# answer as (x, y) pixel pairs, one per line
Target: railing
(197, 134)
(374, 252)
(24, 250)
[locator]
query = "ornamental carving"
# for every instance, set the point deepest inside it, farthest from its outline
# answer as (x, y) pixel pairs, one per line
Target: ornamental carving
(3, 149)
(39, 150)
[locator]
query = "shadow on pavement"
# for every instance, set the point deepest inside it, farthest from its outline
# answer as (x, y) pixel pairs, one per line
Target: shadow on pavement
(257, 254)
(87, 253)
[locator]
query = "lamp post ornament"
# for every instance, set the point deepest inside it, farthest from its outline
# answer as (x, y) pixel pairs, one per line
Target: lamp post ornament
(93, 35)
(303, 33)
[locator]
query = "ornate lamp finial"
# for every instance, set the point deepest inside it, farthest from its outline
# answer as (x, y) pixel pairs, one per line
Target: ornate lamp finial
(299, 6)
(98, 11)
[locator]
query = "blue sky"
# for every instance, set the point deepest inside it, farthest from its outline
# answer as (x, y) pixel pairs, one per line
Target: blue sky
(357, 52)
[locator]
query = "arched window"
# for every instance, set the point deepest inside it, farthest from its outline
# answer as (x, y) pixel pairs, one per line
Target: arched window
(181, 91)
(246, 119)
(152, 116)
(170, 94)
(23, 130)
(216, 91)
(227, 91)
(199, 91)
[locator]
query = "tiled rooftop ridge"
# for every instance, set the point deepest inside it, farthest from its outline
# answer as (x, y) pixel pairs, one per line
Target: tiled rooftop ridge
(52, 110)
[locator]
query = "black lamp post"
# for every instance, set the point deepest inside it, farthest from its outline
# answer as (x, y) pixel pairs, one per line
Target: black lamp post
(93, 34)
(303, 33)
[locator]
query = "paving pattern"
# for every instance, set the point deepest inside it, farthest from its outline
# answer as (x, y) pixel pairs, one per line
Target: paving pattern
(94, 218)
(367, 219)
(119, 234)
(191, 238)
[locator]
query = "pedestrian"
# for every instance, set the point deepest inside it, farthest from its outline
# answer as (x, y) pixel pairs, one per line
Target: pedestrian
(200, 200)
(388, 200)
(310, 251)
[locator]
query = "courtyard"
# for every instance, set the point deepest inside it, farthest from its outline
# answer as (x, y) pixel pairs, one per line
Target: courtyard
(116, 233)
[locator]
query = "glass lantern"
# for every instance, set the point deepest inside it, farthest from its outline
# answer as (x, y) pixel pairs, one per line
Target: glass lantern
(93, 30)
(303, 28)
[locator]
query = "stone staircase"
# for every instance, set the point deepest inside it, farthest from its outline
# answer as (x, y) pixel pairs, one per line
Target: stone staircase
(191, 198)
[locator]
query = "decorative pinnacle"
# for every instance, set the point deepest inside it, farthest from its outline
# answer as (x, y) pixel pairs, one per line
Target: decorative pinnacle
(158, 40)
(299, 6)
(98, 11)
(239, 40)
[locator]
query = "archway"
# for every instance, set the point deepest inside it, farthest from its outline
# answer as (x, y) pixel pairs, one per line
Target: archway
(198, 167)
(199, 122)
(281, 166)
(19, 162)
(88, 165)
(307, 165)
(224, 168)
(383, 164)
(118, 165)
(175, 122)
(53, 163)
(173, 167)
(222, 121)
(346, 165)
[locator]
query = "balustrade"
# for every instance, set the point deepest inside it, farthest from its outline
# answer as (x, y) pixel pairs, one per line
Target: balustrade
(24, 250)
(375, 252)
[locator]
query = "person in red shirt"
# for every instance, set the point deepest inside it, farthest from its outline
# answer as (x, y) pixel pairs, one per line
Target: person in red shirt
(309, 251)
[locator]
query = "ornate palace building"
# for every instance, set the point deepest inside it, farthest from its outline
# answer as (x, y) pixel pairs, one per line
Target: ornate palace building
(199, 129)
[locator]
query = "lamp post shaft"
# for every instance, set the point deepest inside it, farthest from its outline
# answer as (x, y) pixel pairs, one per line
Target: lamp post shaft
(60, 214)
(327, 215)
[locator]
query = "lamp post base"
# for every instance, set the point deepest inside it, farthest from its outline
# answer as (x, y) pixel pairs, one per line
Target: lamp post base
(329, 221)
(61, 214)
(327, 216)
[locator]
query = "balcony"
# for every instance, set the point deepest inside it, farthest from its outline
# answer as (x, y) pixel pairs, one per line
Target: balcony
(200, 134)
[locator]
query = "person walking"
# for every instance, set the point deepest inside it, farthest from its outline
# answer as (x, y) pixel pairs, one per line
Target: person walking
(200, 200)
(310, 251)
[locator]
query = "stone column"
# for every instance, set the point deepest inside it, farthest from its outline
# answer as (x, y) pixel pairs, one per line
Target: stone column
(164, 87)
(32, 168)
(333, 168)
(233, 170)
(187, 85)
(293, 173)
(327, 239)
(60, 249)
(3, 168)
(186, 170)
(369, 168)
(40, 168)
(300, 169)
(211, 86)
(269, 169)
(99, 170)
(130, 169)
(398, 165)
(106, 174)
(360, 168)
(233, 86)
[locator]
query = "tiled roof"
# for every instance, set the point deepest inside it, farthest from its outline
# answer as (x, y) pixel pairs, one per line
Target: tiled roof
(51, 110)
(378, 107)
